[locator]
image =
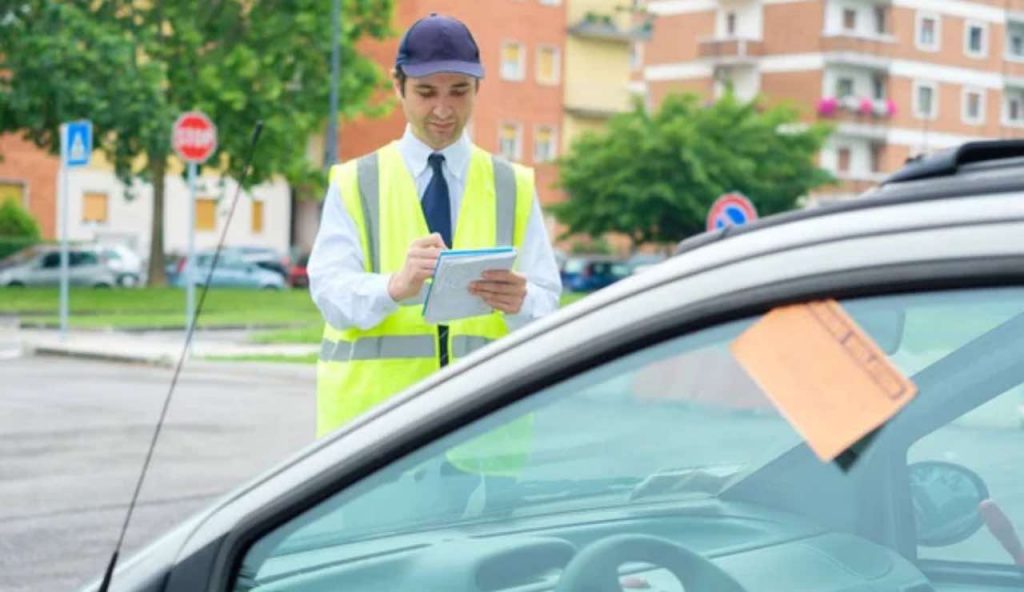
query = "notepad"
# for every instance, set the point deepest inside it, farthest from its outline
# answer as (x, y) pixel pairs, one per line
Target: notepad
(448, 297)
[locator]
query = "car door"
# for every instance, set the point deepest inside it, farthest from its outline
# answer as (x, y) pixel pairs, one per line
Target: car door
(594, 352)
(45, 271)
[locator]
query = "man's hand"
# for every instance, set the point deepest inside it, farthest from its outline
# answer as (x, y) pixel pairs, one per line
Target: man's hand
(501, 290)
(420, 260)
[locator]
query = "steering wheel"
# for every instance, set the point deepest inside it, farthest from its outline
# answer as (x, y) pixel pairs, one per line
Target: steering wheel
(596, 567)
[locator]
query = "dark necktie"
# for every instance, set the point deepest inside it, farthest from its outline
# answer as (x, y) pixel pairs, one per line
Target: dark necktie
(437, 210)
(437, 207)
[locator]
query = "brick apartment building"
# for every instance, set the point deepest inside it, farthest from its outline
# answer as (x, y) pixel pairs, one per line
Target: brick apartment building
(896, 77)
(28, 176)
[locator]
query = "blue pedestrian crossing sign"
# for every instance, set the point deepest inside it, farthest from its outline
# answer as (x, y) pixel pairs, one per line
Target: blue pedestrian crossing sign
(77, 143)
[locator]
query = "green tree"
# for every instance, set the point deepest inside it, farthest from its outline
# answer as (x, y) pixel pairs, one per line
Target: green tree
(18, 229)
(653, 176)
(133, 66)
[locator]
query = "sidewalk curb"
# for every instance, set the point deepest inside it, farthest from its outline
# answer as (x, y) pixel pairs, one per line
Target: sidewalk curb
(51, 350)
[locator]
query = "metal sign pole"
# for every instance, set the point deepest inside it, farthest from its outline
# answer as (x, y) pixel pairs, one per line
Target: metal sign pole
(190, 285)
(64, 256)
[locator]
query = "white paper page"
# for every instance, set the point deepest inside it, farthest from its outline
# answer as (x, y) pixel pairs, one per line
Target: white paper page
(449, 297)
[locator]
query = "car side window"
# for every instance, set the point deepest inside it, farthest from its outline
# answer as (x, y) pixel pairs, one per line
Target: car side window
(83, 258)
(51, 260)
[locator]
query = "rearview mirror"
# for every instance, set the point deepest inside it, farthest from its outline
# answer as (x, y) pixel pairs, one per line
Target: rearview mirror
(883, 324)
(946, 497)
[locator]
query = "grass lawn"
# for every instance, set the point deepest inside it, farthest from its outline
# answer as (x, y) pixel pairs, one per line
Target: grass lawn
(291, 311)
(160, 307)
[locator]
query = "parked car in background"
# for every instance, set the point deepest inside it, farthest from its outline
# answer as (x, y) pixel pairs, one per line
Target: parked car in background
(586, 273)
(297, 275)
(129, 268)
(231, 271)
(40, 266)
(265, 257)
(644, 261)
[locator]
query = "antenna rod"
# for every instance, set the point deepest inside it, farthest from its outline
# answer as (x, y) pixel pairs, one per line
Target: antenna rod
(108, 575)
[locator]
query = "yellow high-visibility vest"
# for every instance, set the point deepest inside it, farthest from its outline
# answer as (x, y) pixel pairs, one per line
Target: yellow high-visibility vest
(358, 368)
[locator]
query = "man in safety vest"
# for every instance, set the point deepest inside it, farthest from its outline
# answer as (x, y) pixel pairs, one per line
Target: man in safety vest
(389, 214)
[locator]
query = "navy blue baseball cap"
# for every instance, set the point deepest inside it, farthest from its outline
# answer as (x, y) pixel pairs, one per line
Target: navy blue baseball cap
(438, 43)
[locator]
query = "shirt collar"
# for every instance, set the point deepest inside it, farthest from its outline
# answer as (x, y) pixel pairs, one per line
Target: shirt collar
(415, 152)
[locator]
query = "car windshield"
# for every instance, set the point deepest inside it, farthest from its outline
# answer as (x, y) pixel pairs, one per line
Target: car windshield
(680, 420)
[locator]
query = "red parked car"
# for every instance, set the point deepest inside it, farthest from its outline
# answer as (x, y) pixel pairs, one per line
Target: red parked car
(297, 276)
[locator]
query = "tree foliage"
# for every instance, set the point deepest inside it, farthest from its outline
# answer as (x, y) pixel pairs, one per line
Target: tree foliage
(132, 67)
(653, 176)
(18, 228)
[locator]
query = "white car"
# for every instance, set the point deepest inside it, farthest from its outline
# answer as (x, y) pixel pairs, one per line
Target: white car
(613, 445)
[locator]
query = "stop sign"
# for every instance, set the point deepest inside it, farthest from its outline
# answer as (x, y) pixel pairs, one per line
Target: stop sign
(194, 137)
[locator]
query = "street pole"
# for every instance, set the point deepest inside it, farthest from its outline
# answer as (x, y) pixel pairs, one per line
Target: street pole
(190, 285)
(64, 258)
(331, 144)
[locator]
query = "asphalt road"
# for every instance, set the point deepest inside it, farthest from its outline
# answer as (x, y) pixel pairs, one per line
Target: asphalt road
(73, 437)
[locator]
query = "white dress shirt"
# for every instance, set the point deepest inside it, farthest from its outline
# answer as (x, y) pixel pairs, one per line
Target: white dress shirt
(348, 296)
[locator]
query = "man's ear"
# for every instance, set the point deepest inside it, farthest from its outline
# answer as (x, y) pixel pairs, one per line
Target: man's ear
(398, 83)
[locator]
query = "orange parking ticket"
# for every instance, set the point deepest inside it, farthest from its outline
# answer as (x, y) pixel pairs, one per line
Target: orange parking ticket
(823, 373)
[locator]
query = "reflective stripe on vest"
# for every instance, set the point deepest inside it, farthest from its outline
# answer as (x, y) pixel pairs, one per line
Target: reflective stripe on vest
(379, 348)
(368, 168)
(396, 347)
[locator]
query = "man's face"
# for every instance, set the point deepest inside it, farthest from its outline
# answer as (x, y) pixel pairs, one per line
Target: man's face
(438, 106)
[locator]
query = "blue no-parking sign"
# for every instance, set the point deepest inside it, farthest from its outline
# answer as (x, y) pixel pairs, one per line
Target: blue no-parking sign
(731, 209)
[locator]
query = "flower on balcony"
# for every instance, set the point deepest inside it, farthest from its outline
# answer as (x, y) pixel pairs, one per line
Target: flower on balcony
(861, 106)
(827, 106)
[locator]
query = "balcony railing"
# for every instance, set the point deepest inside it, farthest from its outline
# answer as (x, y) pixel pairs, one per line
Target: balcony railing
(881, 46)
(730, 47)
(604, 27)
(856, 109)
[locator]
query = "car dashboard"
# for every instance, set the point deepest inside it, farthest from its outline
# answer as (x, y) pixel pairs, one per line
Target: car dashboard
(759, 549)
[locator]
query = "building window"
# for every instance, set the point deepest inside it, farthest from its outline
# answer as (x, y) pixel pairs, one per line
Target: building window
(510, 140)
(548, 65)
(877, 151)
(878, 87)
(94, 207)
(206, 213)
(928, 32)
(925, 100)
(257, 217)
(12, 192)
(730, 24)
(1015, 42)
(513, 61)
(881, 20)
(849, 19)
(976, 40)
(973, 106)
(843, 164)
(544, 144)
(844, 87)
(636, 56)
(1015, 109)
